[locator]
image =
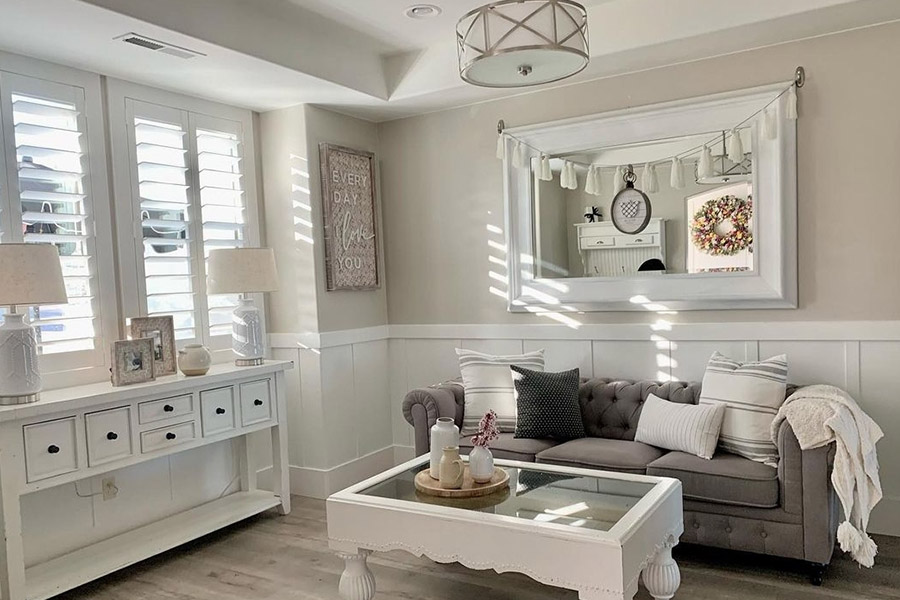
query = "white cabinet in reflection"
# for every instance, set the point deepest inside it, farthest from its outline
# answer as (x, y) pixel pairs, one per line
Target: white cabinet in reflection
(607, 252)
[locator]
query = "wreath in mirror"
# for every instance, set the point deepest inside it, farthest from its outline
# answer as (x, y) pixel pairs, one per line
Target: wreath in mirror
(723, 227)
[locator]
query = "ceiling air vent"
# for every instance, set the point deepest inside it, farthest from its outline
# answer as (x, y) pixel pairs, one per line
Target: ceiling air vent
(143, 41)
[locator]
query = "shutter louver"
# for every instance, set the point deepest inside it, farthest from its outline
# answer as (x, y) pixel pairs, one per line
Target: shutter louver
(222, 209)
(165, 208)
(51, 177)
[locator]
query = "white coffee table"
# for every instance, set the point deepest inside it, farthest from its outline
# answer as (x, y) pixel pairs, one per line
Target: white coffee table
(591, 531)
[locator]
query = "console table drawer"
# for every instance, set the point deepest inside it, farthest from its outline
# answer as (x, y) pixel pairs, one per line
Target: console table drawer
(586, 243)
(641, 240)
(50, 449)
(108, 435)
(256, 405)
(169, 408)
(166, 437)
(217, 410)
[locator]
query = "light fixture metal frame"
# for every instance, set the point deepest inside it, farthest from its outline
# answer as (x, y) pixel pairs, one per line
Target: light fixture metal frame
(468, 21)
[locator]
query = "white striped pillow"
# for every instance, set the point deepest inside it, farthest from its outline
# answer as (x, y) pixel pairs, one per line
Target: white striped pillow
(752, 393)
(690, 428)
(489, 386)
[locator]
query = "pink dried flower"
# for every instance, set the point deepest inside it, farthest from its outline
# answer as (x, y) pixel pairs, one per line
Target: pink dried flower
(487, 430)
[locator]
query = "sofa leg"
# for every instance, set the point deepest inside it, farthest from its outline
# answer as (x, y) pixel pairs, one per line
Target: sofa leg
(817, 573)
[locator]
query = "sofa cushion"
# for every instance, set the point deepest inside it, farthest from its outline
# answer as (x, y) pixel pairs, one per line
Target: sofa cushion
(509, 447)
(547, 404)
(599, 453)
(726, 479)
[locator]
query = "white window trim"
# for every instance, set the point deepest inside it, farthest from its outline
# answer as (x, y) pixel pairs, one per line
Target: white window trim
(118, 92)
(75, 368)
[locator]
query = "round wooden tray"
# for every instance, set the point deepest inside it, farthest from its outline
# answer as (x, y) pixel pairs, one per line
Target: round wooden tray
(469, 489)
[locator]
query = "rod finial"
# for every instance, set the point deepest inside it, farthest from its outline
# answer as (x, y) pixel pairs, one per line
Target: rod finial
(799, 77)
(500, 126)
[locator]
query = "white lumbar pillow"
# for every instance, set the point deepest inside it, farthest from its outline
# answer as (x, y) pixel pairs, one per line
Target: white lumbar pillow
(690, 428)
(752, 393)
(489, 386)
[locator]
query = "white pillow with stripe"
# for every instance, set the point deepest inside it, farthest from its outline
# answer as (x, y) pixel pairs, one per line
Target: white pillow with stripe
(489, 386)
(752, 393)
(691, 428)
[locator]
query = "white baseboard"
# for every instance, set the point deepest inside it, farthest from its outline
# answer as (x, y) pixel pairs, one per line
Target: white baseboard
(321, 483)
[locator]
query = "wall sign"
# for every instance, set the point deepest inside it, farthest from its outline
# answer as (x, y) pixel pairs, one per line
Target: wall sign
(348, 199)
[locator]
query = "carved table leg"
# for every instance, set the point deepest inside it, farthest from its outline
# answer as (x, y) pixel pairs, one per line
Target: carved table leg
(357, 581)
(662, 577)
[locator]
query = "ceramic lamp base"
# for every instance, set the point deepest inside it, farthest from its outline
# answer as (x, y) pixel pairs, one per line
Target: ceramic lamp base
(247, 337)
(21, 375)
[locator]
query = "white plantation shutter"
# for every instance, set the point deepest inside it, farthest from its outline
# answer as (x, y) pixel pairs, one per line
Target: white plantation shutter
(48, 201)
(188, 200)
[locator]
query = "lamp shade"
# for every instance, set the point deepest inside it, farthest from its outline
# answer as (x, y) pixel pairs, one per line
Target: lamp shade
(241, 270)
(31, 274)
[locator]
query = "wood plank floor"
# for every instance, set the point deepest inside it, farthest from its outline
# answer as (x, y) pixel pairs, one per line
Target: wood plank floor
(287, 558)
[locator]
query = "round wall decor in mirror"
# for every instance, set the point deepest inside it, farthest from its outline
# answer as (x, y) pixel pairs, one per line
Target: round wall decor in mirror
(631, 210)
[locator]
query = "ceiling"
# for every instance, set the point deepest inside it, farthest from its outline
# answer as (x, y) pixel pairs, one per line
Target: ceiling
(365, 57)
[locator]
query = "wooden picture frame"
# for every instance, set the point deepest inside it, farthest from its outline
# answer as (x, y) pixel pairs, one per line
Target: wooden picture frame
(162, 331)
(132, 362)
(350, 218)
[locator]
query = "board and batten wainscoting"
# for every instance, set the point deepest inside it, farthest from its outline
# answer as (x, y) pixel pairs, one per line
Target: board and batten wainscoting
(348, 424)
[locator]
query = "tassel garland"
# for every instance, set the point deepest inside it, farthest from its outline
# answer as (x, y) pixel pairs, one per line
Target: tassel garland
(676, 178)
(619, 180)
(649, 180)
(546, 173)
(791, 111)
(501, 146)
(735, 147)
(770, 123)
(564, 174)
(589, 182)
(704, 166)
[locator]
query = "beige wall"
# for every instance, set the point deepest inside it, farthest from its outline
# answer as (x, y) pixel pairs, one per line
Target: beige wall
(293, 209)
(442, 185)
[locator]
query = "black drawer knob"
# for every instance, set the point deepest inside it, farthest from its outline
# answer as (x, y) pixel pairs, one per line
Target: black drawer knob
(170, 436)
(112, 435)
(168, 408)
(220, 411)
(53, 449)
(257, 402)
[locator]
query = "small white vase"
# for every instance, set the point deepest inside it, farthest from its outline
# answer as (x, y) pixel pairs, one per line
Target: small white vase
(444, 434)
(481, 464)
(194, 359)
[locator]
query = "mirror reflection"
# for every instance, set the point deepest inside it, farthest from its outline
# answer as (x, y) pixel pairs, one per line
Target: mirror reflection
(701, 216)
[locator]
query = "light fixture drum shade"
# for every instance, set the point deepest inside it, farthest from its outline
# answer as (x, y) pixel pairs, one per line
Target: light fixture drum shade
(517, 43)
(31, 274)
(241, 271)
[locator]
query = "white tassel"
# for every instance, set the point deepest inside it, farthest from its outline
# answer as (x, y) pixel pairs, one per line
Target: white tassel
(857, 543)
(676, 178)
(564, 176)
(649, 181)
(619, 180)
(704, 166)
(573, 177)
(735, 147)
(770, 123)
(501, 146)
(598, 182)
(791, 111)
(589, 182)
(546, 173)
(520, 161)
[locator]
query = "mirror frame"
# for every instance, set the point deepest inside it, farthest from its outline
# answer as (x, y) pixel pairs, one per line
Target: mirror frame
(773, 282)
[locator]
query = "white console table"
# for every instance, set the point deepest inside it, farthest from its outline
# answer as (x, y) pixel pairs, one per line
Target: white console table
(75, 433)
(607, 252)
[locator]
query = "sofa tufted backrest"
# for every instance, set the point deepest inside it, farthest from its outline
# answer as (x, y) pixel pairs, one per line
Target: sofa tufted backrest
(611, 408)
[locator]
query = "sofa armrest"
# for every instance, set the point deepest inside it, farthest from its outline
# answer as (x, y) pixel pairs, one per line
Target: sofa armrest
(805, 481)
(423, 406)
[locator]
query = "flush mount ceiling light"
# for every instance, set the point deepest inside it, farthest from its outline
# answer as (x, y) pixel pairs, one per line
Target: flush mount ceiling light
(517, 43)
(422, 11)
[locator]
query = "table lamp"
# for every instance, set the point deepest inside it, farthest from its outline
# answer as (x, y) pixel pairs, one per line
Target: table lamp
(30, 274)
(244, 271)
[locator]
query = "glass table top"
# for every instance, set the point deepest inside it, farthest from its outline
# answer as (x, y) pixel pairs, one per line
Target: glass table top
(596, 503)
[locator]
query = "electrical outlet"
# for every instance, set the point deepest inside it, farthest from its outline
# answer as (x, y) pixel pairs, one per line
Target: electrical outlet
(110, 490)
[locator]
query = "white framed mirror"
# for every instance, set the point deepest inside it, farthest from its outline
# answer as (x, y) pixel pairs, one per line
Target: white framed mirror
(721, 236)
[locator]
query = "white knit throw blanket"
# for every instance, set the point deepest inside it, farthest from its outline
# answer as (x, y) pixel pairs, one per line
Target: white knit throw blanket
(819, 415)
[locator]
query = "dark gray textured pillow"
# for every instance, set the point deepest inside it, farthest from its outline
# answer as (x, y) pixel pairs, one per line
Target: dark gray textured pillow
(547, 404)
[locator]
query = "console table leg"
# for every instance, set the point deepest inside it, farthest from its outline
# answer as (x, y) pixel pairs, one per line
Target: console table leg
(662, 577)
(357, 581)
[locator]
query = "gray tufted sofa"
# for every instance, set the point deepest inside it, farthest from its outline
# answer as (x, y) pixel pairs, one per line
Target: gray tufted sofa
(729, 501)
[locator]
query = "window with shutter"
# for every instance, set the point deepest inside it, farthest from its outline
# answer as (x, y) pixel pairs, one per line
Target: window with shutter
(48, 201)
(187, 182)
